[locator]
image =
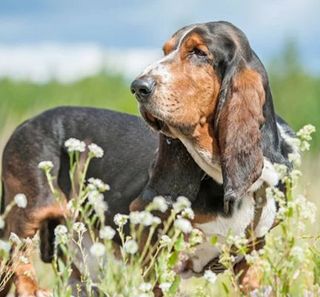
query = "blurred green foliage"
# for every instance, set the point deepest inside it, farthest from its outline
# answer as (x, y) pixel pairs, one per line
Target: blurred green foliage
(21, 99)
(296, 94)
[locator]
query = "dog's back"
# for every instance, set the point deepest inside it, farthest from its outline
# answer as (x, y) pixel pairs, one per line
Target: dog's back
(42, 139)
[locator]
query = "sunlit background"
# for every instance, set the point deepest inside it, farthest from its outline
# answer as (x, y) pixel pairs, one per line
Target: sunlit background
(76, 52)
(57, 52)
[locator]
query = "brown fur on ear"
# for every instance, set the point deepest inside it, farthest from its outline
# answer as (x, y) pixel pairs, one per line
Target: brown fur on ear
(239, 133)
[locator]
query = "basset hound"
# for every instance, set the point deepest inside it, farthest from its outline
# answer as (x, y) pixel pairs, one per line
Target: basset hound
(211, 91)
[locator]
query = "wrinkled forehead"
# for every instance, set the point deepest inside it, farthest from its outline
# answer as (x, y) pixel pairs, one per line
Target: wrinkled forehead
(217, 36)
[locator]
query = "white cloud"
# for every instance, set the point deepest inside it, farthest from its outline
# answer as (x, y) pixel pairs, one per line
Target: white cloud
(66, 63)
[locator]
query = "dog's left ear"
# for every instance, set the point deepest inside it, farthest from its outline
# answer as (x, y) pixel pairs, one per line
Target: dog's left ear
(238, 120)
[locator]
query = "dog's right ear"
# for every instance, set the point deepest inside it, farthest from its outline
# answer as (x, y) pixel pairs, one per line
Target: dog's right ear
(237, 124)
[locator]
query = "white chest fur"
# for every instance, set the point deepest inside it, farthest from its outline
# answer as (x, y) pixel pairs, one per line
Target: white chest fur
(236, 224)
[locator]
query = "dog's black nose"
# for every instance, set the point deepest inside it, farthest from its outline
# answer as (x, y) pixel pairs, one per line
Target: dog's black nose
(143, 88)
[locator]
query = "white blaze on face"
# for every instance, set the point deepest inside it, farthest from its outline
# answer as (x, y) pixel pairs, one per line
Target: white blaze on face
(159, 69)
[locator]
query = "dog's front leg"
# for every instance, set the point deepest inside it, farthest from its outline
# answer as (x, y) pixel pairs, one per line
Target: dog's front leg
(26, 282)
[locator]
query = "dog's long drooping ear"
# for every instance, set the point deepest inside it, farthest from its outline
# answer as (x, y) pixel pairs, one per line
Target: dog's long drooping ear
(238, 129)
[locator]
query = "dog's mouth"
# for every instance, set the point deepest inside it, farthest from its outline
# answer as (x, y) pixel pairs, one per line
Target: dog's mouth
(152, 120)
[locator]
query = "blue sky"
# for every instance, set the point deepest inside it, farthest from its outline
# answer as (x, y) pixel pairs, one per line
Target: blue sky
(147, 23)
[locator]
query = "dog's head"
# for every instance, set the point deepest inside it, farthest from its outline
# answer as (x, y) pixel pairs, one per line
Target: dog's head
(209, 90)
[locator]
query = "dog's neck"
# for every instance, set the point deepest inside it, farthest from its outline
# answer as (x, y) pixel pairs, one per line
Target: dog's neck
(204, 150)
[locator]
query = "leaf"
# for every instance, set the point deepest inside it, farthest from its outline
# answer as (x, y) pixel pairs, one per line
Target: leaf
(173, 259)
(225, 287)
(214, 239)
(179, 244)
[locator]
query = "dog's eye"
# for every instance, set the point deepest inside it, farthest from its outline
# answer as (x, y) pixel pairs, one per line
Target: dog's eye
(198, 52)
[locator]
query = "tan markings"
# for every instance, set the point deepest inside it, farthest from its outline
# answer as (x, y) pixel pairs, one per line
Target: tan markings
(137, 205)
(202, 218)
(194, 40)
(169, 46)
(38, 215)
(204, 139)
(26, 282)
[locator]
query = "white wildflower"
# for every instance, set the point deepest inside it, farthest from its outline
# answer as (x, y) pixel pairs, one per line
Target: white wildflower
(60, 233)
(79, 227)
(295, 158)
(97, 249)
(183, 225)
(21, 200)
(2, 223)
(107, 232)
(14, 238)
(96, 150)
(96, 199)
(253, 257)
(24, 260)
(181, 204)
(165, 240)
(188, 213)
(196, 237)
(159, 203)
(131, 246)
(75, 145)
(45, 165)
(135, 217)
(304, 146)
(146, 218)
(306, 131)
(165, 287)
(237, 240)
(120, 219)
(305, 137)
(156, 221)
(282, 170)
(98, 184)
(145, 287)
(60, 230)
(210, 276)
(5, 246)
(295, 174)
(275, 193)
(71, 205)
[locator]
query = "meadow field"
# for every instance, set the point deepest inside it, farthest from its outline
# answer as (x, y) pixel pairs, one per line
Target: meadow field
(296, 97)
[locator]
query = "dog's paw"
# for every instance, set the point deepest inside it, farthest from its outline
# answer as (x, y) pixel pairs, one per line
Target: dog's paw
(252, 279)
